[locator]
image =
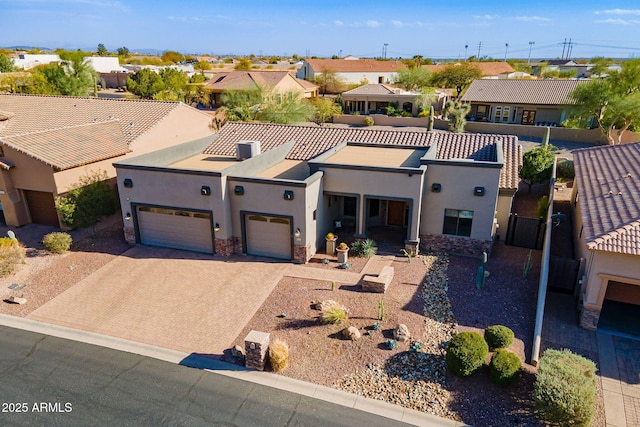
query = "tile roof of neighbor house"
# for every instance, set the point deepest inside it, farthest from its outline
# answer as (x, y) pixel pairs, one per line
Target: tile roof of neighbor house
(608, 181)
(486, 68)
(378, 89)
(250, 79)
(354, 65)
(65, 132)
(539, 92)
(314, 140)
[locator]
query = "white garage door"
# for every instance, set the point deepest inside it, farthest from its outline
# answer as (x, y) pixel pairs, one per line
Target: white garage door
(268, 236)
(174, 228)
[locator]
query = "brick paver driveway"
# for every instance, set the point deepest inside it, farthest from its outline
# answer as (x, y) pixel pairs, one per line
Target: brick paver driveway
(179, 300)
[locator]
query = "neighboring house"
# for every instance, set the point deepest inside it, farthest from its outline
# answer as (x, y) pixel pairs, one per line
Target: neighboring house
(27, 61)
(606, 200)
(352, 71)
(375, 98)
(488, 69)
(277, 190)
(525, 102)
(48, 142)
(279, 82)
(112, 74)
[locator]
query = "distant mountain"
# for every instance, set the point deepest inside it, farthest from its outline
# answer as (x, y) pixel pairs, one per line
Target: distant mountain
(28, 48)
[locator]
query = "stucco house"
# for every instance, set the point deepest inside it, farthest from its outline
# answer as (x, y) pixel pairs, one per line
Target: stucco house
(487, 68)
(606, 201)
(112, 74)
(277, 190)
(279, 82)
(48, 142)
(524, 102)
(351, 71)
(376, 97)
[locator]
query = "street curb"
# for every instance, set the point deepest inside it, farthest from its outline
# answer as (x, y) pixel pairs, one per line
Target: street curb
(327, 394)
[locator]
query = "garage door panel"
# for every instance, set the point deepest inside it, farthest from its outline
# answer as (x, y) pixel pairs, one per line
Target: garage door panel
(42, 207)
(268, 236)
(168, 229)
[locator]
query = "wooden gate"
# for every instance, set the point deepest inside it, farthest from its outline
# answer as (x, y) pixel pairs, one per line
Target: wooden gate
(563, 274)
(525, 232)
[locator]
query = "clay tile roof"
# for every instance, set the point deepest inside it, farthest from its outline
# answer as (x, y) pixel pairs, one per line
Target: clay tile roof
(486, 68)
(70, 147)
(540, 92)
(314, 140)
(354, 65)
(608, 180)
(97, 128)
(377, 89)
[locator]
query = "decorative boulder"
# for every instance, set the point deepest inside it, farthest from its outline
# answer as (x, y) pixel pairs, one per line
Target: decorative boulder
(324, 305)
(351, 333)
(401, 333)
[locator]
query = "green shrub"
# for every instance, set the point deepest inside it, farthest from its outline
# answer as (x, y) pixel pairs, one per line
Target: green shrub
(565, 170)
(466, 353)
(57, 243)
(565, 388)
(11, 254)
(542, 207)
(334, 314)
(278, 355)
(364, 248)
(504, 367)
(498, 336)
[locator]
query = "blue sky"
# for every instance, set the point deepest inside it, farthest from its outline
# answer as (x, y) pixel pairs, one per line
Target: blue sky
(436, 29)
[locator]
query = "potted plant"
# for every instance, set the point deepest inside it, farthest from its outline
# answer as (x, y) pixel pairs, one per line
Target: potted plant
(343, 251)
(331, 243)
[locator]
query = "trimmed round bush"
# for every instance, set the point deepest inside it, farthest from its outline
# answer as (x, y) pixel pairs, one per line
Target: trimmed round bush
(504, 367)
(57, 243)
(565, 389)
(278, 355)
(466, 352)
(498, 336)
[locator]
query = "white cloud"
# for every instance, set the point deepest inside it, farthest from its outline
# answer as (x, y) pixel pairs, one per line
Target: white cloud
(397, 23)
(338, 23)
(618, 21)
(373, 24)
(532, 19)
(178, 18)
(488, 17)
(618, 12)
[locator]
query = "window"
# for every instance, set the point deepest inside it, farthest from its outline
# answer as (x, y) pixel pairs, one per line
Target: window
(349, 208)
(502, 114)
(374, 207)
(457, 223)
(528, 117)
(481, 112)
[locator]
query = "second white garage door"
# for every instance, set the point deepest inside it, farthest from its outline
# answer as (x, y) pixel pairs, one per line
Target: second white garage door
(268, 236)
(175, 228)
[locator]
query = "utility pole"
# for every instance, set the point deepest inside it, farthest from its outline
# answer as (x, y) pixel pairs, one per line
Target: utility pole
(506, 49)
(384, 50)
(570, 49)
(530, 46)
(564, 46)
(466, 46)
(479, 47)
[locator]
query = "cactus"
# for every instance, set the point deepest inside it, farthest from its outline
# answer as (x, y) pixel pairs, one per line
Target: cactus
(527, 266)
(333, 286)
(431, 119)
(381, 310)
(545, 139)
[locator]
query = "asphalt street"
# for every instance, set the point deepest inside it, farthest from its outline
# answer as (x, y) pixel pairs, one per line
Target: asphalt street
(51, 381)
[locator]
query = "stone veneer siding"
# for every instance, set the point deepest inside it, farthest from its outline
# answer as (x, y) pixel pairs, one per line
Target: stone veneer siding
(301, 254)
(589, 318)
(237, 245)
(130, 235)
(224, 247)
(455, 244)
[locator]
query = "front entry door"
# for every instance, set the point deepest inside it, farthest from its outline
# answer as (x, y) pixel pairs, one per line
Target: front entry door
(395, 213)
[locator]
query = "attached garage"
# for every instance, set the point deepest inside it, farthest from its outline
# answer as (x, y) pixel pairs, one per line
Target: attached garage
(620, 314)
(42, 207)
(268, 236)
(175, 228)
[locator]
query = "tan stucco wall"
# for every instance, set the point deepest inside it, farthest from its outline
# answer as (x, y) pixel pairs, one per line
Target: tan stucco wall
(383, 185)
(175, 190)
(612, 265)
(458, 183)
(503, 209)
